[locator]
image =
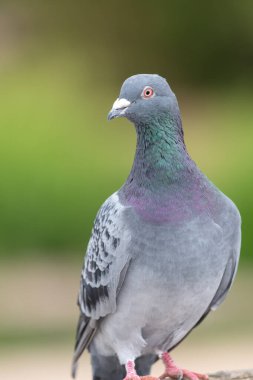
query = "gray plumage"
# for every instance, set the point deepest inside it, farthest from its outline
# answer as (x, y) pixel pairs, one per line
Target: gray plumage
(164, 249)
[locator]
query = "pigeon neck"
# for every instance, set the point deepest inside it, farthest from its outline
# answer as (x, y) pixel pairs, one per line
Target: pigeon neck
(161, 157)
(164, 184)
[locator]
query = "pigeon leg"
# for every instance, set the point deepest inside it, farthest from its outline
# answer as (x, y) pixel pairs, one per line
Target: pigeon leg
(130, 371)
(132, 375)
(172, 371)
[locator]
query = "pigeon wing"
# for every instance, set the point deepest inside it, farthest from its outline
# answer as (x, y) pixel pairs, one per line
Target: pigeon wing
(230, 222)
(232, 243)
(105, 266)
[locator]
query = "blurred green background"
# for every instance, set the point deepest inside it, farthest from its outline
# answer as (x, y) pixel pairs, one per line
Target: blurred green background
(61, 67)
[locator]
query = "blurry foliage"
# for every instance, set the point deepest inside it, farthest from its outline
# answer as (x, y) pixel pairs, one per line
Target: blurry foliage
(193, 42)
(61, 67)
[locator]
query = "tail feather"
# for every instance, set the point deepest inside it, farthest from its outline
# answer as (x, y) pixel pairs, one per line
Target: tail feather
(86, 329)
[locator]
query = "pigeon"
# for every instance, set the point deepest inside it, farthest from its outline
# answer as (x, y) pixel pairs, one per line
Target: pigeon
(164, 248)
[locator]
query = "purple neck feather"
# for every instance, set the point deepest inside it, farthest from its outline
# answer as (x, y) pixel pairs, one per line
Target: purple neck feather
(164, 184)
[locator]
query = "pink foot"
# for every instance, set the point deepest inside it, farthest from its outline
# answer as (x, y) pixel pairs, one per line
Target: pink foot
(172, 371)
(132, 375)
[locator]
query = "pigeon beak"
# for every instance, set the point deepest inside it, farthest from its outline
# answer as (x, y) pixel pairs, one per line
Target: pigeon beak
(119, 108)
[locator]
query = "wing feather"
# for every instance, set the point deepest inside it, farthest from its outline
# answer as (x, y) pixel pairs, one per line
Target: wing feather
(103, 273)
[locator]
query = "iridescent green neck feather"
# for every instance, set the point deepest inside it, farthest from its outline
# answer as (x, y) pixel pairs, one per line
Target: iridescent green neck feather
(161, 157)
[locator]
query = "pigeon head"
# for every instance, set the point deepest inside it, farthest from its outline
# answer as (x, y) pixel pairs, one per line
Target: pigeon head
(144, 97)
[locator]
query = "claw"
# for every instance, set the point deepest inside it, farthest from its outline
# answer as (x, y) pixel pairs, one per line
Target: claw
(172, 371)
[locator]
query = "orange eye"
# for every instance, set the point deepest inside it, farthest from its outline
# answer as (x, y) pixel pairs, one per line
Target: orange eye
(148, 92)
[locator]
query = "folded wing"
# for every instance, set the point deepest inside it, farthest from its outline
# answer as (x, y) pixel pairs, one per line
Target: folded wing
(106, 263)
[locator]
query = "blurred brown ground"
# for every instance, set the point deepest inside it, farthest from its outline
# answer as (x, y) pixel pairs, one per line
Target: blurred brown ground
(54, 364)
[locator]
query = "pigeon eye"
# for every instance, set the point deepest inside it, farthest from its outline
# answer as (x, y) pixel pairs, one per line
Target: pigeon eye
(147, 92)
